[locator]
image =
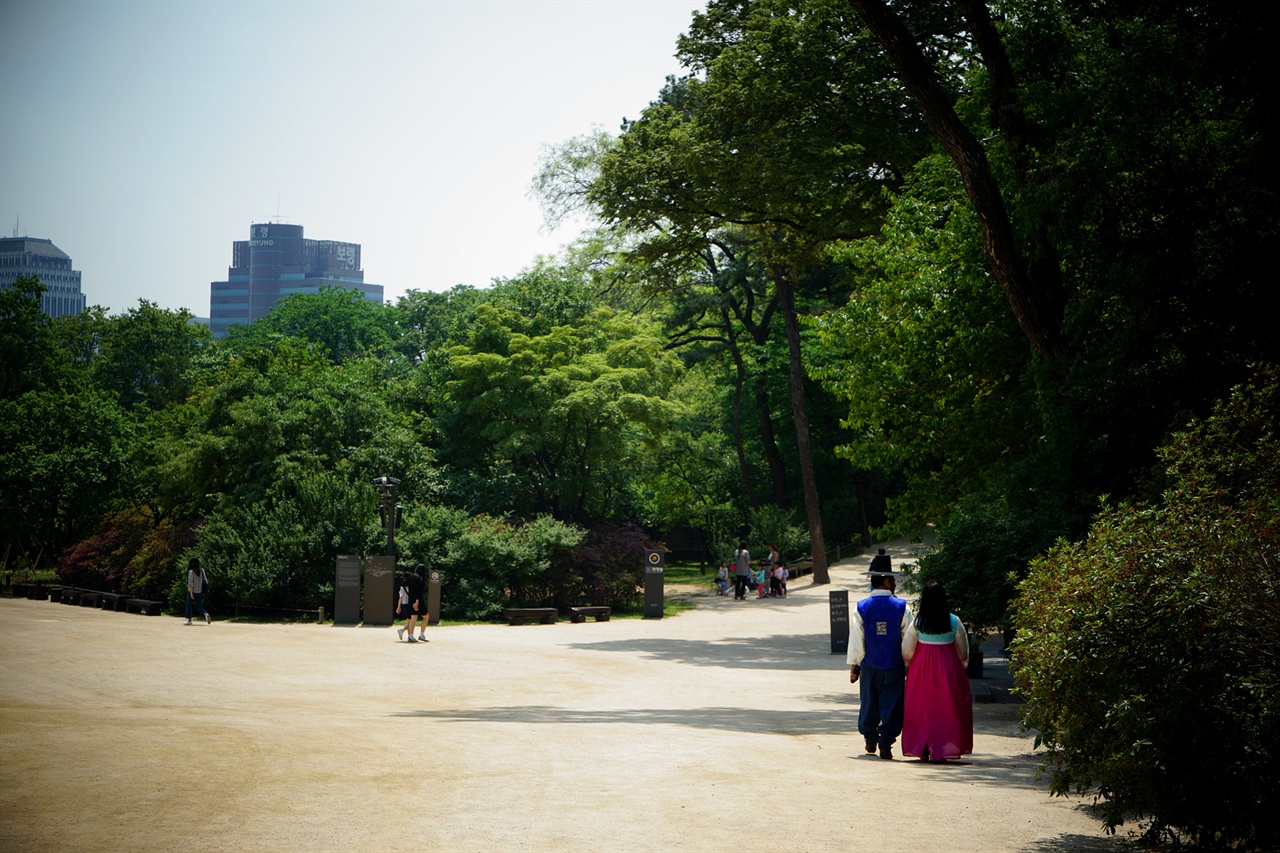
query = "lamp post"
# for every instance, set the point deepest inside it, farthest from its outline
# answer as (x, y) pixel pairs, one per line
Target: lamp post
(389, 510)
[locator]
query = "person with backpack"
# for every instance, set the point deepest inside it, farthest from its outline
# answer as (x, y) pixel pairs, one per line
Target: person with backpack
(197, 583)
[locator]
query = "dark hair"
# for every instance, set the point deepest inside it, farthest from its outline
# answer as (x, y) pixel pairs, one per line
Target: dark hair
(193, 565)
(880, 581)
(420, 570)
(935, 615)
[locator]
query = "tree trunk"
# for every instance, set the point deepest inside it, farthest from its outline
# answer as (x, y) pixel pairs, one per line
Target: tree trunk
(769, 442)
(1037, 306)
(739, 380)
(799, 410)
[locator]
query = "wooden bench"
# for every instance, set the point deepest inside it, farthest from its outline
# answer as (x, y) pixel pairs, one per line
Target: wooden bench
(114, 600)
(800, 568)
(143, 606)
(518, 615)
(580, 614)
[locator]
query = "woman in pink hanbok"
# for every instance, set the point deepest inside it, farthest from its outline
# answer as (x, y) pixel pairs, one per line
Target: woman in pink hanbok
(937, 719)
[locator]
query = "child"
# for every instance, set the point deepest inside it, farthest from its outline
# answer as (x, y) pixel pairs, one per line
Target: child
(778, 583)
(722, 578)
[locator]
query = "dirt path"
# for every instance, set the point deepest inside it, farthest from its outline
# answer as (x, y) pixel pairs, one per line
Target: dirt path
(727, 728)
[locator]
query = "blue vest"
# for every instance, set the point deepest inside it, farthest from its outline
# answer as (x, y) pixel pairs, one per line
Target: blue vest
(882, 630)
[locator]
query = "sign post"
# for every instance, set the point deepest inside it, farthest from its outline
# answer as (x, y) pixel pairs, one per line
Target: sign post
(433, 597)
(346, 590)
(839, 603)
(654, 575)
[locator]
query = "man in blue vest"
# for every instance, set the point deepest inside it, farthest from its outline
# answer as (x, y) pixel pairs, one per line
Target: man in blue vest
(875, 660)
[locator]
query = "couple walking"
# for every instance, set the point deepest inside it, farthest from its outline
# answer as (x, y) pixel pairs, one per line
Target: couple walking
(912, 673)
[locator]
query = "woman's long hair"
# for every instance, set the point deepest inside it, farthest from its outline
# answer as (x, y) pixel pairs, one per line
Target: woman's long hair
(935, 615)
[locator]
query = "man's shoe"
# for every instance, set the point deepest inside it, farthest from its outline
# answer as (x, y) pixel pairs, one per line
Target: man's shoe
(411, 639)
(208, 620)
(871, 747)
(422, 639)
(188, 622)
(400, 633)
(886, 752)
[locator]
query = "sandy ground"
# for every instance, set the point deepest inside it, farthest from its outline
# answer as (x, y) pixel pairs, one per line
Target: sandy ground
(727, 728)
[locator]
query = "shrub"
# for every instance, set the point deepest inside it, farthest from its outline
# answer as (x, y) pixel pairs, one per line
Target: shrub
(1148, 654)
(128, 553)
(488, 563)
(605, 569)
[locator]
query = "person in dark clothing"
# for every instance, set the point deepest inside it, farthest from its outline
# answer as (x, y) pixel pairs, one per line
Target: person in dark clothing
(417, 583)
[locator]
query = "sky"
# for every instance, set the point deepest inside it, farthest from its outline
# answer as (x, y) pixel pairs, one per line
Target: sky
(143, 138)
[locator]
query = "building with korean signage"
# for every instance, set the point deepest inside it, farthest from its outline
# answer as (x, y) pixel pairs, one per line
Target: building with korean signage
(277, 261)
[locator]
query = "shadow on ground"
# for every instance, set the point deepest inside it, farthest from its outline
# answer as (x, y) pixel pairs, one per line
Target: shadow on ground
(1074, 843)
(789, 652)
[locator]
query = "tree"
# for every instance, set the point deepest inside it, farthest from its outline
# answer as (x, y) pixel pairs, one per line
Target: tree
(788, 135)
(1036, 300)
(144, 354)
(561, 413)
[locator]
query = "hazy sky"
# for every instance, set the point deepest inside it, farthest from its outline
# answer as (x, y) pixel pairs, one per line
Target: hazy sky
(144, 137)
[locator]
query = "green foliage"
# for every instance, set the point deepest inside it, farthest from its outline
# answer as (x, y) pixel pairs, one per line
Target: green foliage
(143, 355)
(343, 323)
(559, 414)
(280, 550)
(62, 453)
(923, 355)
(777, 526)
(488, 563)
(1149, 653)
(29, 356)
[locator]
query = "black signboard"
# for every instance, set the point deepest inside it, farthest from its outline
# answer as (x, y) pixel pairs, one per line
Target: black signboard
(346, 590)
(654, 576)
(839, 599)
(379, 590)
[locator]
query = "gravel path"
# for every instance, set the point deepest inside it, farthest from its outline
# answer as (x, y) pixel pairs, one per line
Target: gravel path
(727, 728)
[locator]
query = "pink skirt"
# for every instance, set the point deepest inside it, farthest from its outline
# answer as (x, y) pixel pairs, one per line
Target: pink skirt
(937, 707)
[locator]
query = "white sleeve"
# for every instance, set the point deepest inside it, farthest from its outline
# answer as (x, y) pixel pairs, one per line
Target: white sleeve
(961, 641)
(856, 652)
(909, 641)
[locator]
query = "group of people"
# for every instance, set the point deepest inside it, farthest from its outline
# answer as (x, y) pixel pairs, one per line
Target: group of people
(911, 669)
(769, 580)
(411, 604)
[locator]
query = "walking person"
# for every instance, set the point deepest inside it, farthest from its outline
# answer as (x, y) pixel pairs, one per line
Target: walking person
(741, 572)
(418, 587)
(196, 585)
(938, 716)
(875, 661)
(402, 606)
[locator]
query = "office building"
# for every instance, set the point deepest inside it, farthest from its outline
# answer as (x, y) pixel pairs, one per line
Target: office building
(23, 256)
(277, 261)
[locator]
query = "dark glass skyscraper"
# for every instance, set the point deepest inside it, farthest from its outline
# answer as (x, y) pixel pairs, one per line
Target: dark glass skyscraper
(277, 261)
(22, 256)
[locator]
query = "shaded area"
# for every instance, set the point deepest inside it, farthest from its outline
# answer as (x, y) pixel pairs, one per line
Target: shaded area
(734, 720)
(1076, 843)
(790, 652)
